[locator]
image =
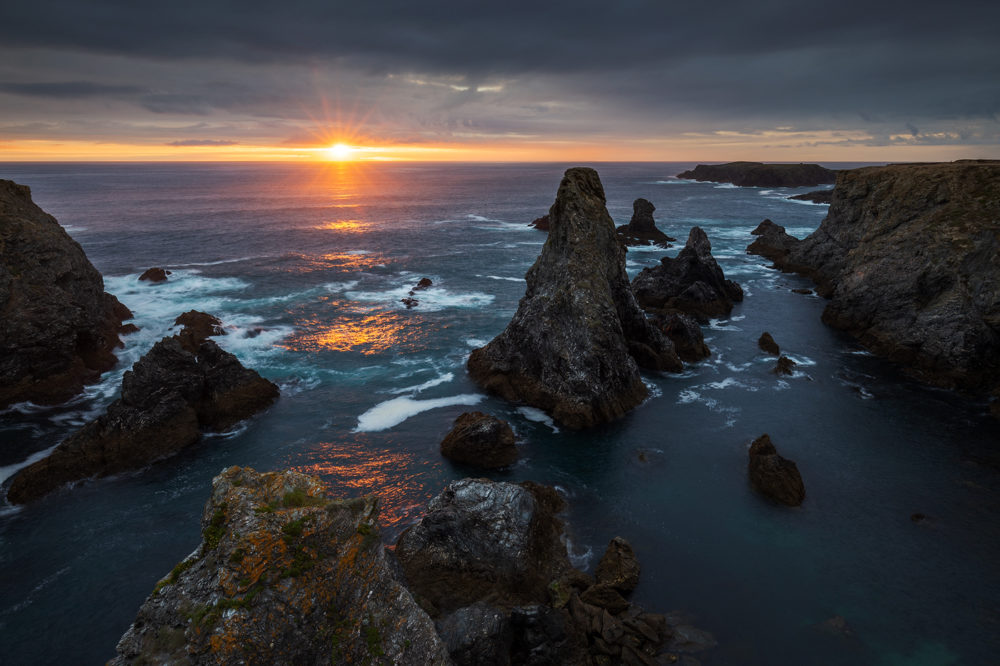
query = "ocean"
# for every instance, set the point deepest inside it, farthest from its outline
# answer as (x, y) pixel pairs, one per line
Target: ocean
(306, 265)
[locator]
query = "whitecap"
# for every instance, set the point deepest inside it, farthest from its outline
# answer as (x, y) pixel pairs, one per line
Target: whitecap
(538, 416)
(647, 248)
(431, 299)
(476, 343)
(721, 325)
(726, 186)
(337, 287)
(501, 277)
(437, 381)
(391, 413)
(219, 262)
(687, 396)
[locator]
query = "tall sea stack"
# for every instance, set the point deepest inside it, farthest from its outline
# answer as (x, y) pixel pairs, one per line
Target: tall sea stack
(575, 344)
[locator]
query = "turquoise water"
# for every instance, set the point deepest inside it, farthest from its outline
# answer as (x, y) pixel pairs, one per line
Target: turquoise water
(306, 264)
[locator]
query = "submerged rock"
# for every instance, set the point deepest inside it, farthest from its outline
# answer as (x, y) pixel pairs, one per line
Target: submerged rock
(767, 344)
(575, 343)
(757, 174)
(283, 575)
(774, 476)
(155, 274)
(641, 229)
(481, 440)
(692, 283)
(167, 399)
(59, 327)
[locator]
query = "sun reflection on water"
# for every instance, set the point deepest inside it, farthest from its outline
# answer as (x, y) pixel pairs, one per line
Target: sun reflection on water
(353, 226)
(349, 328)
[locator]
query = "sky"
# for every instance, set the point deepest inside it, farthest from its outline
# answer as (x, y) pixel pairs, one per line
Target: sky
(618, 80)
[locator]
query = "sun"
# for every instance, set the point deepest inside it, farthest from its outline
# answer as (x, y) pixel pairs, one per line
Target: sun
(340, 152)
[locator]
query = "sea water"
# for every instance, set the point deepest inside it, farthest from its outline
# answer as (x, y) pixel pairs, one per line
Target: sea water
(306, 265)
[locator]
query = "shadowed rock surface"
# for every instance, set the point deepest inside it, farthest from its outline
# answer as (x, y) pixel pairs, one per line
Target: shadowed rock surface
(774, 476)
(481, 440)
(773, 243)
(909, 256)
(154, 274)
(692, 283)
(685, 333)
(818, 196)
(784, 366)
(575, 343)
(540, 223)
(167, 399)
(767, 344)
(641, 229)
(757, 174)
(58, 327)
(284, 575)
(196, 328)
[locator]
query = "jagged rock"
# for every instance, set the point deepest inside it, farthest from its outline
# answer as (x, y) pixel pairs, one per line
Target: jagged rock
(410, 302)
(784, 366)
(128, 329)
(803, 291)
(604, 595)
(817, 196)
(685, 333)
(481, 440)
(767, 344)
(168, 397)
(478, 634)
(424, 283)
(540, 223)
(756, 174)
(774, 476)
(58, 327)
(574, 345)
(692, 283)
(909, 255)
(284, 575)
(619, 567)
(641, 229)
(155, 274)
(544, 635)
(773, 243)
(196, 328)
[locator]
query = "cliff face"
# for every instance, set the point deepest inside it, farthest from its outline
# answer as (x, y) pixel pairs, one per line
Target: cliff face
(909, 256)
(575, 343)
(58, 327)
(284, 575)
(756, 174)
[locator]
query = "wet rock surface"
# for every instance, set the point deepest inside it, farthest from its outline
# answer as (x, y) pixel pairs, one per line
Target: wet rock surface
(196, 327)
(817, 196)
(283, 575)
(154, 274)
(773, 243)
(481, 440)
(58, 327)
(686, 334)
(772, 475)
(574, 346)
(691, 283)
(168, 398)
(757, 174)
(540, 223)
(768, 345)
(641, 229)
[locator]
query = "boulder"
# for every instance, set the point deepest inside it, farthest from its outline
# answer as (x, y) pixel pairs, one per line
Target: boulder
(768, 345)
(284, 575)
(773, 476)
(481, 440)
(619, 567)
(424, 283)
(641, 229)
(692, 283)
(167, 399)
(196, 328)
(757, 174)
(773, 243)
(685, 333)
(58, 328)
(574, 346)
(784, 366)
(155, 274)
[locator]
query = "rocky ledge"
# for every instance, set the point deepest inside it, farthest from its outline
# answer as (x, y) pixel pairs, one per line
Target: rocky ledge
(817, 196)
(757, 174)
(184, 385)
(58, 327)
(641, 229)
(909, 256)
(575, 344)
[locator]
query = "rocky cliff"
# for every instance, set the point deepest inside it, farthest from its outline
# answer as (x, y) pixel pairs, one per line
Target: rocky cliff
(185, 384)
(756, 174)
(909, 255)
(58, 327)
(574, 345)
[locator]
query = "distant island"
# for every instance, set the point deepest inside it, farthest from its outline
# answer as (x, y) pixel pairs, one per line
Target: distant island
(758, 174)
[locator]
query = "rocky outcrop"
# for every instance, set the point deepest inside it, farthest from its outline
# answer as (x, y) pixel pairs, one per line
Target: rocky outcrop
(540, 223)
(481, 440)
(773, 243)
(818, 196)
(409, 301)
(154, 274)
(641, 229)
(685, 333)
(784, 366)
(773, 476)
(196, 327)
(692, 283)
(284, 575)
(58, 327)
(167, 399)
(909, 255)
(756, 174)
(574, 345)
(768, 345)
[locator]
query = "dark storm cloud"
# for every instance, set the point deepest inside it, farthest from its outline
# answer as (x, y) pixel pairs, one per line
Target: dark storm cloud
(68, 89)
(202, 142)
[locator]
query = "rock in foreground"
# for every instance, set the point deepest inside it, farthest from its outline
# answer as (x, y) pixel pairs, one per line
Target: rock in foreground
(757, 174)
(575, 343)
(481, 440)
(59, 327)
(168, 398)
(774, 476)
(691, 283)
(284, 575)
(641, 229)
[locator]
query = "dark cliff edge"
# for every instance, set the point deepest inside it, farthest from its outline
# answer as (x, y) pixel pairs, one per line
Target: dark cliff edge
(909, 256)
(58, 327)
(757, 174)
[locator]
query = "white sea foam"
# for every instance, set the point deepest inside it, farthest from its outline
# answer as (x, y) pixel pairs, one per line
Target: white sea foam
(476, 343)
(501, 277)
(687, 396)
(726, 186)
(391, 413)
(538, 416)
(722, 325)
(10, 470)
(431, 299)
(431, 383)
(647, 248)
(218, 263)
(338, 287)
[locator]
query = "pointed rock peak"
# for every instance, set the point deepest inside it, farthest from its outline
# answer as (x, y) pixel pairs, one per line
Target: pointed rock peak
(642, 215)
(698, 241)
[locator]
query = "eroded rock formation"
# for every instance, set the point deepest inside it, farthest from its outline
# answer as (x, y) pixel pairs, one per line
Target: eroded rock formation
(154, 274)
(481, 440)
(773, 243)
(58, 327)
(756, 174)
(575, 343)
(772, 475)
(686, 335)
(641, 229)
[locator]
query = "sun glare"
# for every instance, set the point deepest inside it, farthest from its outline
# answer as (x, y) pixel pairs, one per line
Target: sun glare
(340, 152)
